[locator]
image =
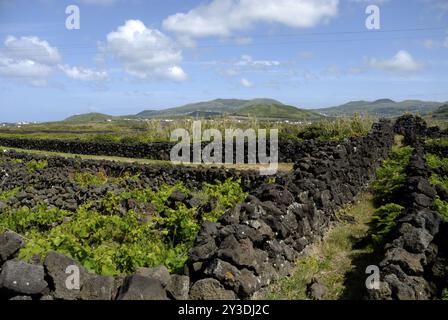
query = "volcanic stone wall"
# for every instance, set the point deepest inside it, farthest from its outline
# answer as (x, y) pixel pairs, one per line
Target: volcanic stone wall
(415, 261)
(250, 246)
(154, 151)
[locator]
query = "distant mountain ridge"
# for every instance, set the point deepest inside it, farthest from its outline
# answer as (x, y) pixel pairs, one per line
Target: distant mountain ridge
(259, 108)
(273, 109)
(381, 107)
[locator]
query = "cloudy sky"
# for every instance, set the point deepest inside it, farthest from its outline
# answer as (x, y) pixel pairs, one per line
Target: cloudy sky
(133, 55)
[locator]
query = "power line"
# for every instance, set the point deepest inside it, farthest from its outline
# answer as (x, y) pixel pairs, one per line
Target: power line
(90, 50)
(302, 34)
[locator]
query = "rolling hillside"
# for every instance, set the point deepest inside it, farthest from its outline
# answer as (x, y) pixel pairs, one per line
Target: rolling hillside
(89, 117)
(381, 108)
(275, 110)
(260, 108)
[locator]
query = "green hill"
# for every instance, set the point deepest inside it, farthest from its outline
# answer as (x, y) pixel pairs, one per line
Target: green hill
(260, 108)
(381, 108)
(215, 106)
(145, 113)
(441, 112)
(89, 117)
(274, 110)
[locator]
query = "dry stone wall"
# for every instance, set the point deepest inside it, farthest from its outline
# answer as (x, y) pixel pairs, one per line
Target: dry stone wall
(415, 261)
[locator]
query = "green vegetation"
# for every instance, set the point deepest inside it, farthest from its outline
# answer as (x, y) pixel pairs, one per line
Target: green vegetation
(437, 180)
(391, 176)
(157, 130)
(7, 194)
(108, 242)
(384, 220)
(445, 294)
(87, 179)
(442, 208)
(439, 142)
(338, 129)
(34, 165)
(434, 162)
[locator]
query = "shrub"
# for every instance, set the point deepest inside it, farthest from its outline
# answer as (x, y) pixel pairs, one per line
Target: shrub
(391, 176)
(34, 165)
(442, 208)
(227, 194)
(437, 180)
(86, 179)
(384, 221)
(445, 294)
(435, 162)
(7, 194)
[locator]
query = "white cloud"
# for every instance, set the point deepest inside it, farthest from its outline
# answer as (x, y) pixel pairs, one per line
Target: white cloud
(28, 59)
(31, 48)
(402, 62)
(83, 74)
(34, 61)
(25, 70)
(223, 17)
(145, 53)
(246, 83)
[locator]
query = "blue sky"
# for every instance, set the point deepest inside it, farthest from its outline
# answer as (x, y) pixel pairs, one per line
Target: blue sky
(133, 55)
